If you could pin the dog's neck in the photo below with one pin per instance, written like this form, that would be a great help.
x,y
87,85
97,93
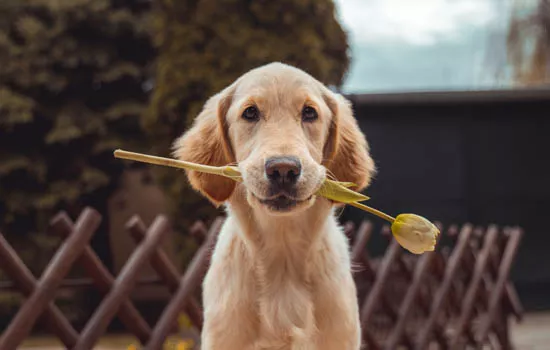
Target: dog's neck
x,y
283,242
282,252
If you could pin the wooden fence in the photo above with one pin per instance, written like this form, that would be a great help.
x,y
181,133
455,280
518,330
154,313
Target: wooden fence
x,y
453,297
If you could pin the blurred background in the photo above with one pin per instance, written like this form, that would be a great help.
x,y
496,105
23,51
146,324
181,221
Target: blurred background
x,y
452,96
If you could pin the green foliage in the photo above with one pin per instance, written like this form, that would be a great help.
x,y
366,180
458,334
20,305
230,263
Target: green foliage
x,y
75,81
71,90
205,45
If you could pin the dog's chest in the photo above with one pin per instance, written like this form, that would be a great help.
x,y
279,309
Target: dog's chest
x,y
285,302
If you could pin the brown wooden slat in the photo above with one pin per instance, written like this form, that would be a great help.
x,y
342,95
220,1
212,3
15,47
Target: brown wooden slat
x,y
348,229
410,297
484,295
123,284
80,283
473,288
169,274
479,303
373,297
199,231
103,280
496,335
360,242
360,258
359,246
445,287
52,277
511,299
25,282
189,282
499,288
514,301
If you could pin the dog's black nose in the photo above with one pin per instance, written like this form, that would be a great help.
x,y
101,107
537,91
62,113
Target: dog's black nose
x,y
283,171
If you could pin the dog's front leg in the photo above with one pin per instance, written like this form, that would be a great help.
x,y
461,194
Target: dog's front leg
x,y
228,325
337,316
230,317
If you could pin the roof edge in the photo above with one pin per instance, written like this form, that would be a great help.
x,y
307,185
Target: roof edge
x,y
471,96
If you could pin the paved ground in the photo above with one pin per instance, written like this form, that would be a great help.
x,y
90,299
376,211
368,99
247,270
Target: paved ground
x,y
532,334
114,342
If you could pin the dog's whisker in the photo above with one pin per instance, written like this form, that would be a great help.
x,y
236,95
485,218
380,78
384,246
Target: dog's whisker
x,y
340,212
330,175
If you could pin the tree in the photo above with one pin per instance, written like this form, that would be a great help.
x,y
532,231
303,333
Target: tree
x,y
205,45
75,84
72,79
528,44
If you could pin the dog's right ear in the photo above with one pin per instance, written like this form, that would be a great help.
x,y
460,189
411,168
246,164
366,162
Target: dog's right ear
x,y
207,142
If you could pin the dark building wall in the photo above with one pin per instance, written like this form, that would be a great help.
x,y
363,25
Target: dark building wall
x,y
463,161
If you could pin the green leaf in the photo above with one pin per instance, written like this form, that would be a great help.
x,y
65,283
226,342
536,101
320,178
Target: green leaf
x,y
47,200
340,192
64,130
124,109
93,179
118,71
62,190
107,144
11,163
15,108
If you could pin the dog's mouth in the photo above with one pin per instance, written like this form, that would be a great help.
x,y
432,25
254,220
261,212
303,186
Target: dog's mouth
x,y
283,203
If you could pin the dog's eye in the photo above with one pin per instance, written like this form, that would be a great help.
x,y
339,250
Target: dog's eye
x,y
251,114
309,114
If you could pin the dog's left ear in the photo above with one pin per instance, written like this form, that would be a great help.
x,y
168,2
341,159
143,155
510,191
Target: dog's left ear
x,y
346,151
207,142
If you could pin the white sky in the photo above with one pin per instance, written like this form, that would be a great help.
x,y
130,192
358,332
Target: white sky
x,y
425,44
420,22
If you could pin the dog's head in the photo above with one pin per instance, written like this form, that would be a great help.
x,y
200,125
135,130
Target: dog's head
x,y
285,130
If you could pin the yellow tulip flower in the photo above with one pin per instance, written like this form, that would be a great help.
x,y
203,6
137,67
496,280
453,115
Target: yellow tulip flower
x,y
415,233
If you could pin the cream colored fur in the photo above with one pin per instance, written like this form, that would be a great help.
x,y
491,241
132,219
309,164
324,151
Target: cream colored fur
x,y
278,281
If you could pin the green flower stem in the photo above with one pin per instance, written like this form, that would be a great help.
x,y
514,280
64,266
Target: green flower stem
x,y
332,189
180,164
373,211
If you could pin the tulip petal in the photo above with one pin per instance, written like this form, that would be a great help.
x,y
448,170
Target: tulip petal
x,y
415,233
339,192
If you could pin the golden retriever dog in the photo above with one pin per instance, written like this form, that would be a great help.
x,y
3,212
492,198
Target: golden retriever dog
x,y
280,276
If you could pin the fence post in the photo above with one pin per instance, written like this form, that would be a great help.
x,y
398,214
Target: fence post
x,y
358,257
123,284
24,280
188,283
373,298
58,267
500,285
103,280
445,287
169,274
412,293
473,288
